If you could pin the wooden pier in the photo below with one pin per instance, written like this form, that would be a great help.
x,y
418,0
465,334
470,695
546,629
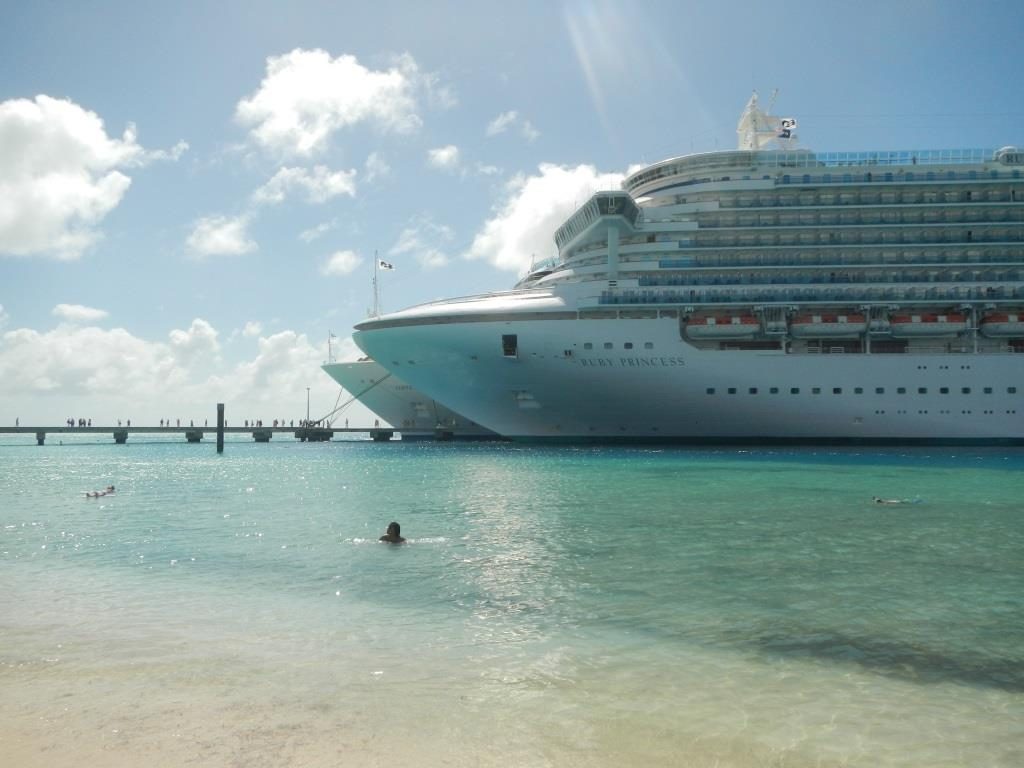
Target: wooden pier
x,y
259,434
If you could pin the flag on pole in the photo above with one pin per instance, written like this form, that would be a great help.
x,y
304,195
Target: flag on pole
x,y
385,265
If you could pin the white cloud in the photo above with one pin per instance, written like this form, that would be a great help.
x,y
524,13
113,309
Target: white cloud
x,y
424,239
3,316
44,376
376,166
76,313
524,224
487,170
510,119
252,328
320,184
197,343
445,158
501,123
341,263
220,236
306,96
313,233
58,176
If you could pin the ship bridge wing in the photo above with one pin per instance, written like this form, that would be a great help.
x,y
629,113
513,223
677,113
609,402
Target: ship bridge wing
x,y
593,219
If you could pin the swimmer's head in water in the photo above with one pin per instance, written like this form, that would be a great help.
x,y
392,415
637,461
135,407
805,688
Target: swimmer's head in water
x,y
394,529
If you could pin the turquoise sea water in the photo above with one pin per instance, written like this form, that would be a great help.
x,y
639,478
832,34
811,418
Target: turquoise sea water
x,y
553,607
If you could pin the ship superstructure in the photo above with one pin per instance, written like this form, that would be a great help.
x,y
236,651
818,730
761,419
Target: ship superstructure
x,y
752,295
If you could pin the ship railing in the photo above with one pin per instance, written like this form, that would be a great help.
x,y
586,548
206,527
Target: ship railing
x,y
924,281
702,261
753,160
829,296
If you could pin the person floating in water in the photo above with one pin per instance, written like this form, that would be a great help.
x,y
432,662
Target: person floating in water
x,y
394,534
879,500
96,494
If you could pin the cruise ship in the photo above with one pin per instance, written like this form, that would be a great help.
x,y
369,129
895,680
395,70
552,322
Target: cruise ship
x,y
401,406
764,294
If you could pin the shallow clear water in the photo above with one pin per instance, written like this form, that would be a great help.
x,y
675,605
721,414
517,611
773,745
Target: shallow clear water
x,y
553,606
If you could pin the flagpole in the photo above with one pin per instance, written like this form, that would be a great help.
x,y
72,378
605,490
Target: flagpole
x,y
376,297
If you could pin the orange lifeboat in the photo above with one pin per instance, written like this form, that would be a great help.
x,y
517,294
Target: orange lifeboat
x,y
723,327
1001,325
927,325
827,326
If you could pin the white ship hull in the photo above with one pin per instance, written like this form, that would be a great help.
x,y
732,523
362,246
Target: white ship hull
x,y
675,392
397,403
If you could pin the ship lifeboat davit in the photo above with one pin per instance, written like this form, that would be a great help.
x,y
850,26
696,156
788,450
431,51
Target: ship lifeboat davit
x,y
827,326
723,327
927,325
1002,325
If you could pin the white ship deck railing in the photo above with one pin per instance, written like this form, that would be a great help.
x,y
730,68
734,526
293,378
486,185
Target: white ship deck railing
x,y
825,295
839,260
746,159
789,278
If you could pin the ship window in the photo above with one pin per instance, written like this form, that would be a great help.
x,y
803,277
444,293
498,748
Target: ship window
x,y
879,390
648,345
608,345
753,390
1011,390
858,390
628,345
901,390
732,390
710,390
943,390
987,390
965,390
815,390
837,390
794,390
510,345
922,390
588,345
774,391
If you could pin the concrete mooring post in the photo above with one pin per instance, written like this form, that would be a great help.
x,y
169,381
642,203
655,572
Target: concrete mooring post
x,y
220,427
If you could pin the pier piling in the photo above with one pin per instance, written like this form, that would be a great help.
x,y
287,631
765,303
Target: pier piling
x,y
220,427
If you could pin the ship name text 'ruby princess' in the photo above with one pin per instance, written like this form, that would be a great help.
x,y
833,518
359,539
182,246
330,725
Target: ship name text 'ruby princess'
x,y
766,294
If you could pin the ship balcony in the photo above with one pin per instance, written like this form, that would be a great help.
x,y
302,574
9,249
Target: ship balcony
x,y
827,296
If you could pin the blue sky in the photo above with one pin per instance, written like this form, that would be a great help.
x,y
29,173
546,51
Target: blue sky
x,y
191,194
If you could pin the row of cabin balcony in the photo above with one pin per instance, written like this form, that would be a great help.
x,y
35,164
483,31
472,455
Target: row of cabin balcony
x,y
880,215
830,296
831,256
867,276
857,236
896,196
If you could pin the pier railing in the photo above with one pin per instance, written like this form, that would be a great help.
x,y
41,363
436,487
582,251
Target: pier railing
x,y
196,434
